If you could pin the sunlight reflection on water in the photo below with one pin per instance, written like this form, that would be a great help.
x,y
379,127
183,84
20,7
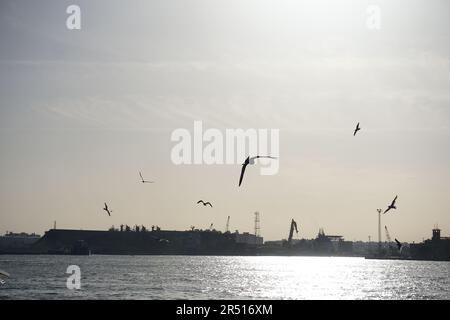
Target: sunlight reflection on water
x,y
215,277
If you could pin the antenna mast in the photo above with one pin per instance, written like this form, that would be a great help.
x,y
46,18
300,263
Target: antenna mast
x,y
257,227
379,231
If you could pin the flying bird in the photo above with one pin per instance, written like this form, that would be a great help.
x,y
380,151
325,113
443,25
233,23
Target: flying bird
x,y
399,244
356,129
204,203
142,179
250,161
392,205
107,210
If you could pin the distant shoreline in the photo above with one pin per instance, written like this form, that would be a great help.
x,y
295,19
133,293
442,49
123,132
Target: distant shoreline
x,y
222,255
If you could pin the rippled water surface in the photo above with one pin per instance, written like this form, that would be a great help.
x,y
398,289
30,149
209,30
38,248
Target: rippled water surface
x,y
213,277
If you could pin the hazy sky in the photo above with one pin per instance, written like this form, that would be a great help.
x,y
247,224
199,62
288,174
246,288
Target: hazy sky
x,y
82,111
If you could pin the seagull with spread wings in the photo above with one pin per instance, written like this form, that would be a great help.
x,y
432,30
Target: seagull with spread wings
x,y
392,205
107,209
399,244
204,203
142,179
356,129
250,161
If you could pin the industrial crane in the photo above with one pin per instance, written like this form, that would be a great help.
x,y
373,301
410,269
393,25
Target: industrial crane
x,y
291,232
389,240
388,237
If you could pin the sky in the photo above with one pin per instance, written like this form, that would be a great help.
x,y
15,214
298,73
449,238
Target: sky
x,y
83,111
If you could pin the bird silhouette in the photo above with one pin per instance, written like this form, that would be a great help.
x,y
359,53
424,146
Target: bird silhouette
x,y
204,203
250,161
142,179
399,244
356,129
391,206
107,210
